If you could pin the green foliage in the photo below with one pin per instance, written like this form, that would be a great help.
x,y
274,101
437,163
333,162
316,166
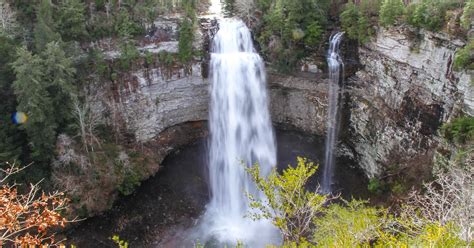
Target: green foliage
x,y
375,186
130,182
11,138
467,15
126,27
290,28
288,205
34,99
128,55
355,23
120,243
71,19
428,235
390,12
459,130
44,32
464,58
43,88
313,34
166,58
186,37
350,225
428,14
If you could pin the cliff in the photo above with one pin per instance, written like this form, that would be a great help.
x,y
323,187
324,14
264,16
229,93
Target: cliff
x,y
405,91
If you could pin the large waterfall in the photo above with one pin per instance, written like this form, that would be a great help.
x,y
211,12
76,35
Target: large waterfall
x,y
336,69
241,134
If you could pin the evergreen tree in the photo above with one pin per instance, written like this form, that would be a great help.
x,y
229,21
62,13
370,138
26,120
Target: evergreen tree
x,y
390,11
34,100
44,89
59,77
11,138
349,19
355,23
44,28
185,45
71,20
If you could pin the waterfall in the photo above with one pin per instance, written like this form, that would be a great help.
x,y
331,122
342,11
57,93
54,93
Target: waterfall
x,y
241,134
336,71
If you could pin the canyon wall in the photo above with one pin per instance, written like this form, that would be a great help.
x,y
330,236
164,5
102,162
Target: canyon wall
x,y
405,91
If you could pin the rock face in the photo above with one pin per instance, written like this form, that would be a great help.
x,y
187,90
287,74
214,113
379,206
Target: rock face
x,y
299,102
159,103
394,105
399,100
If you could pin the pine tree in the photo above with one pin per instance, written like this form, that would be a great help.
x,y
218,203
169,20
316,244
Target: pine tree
x,y
44,28
59,77
34,100
11,137
44,88
390,11
71,20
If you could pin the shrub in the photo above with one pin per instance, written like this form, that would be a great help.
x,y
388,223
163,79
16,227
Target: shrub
x,y
290,207
459,130
351,224
126,27
375,186
464,58
467,15
130,182
128,54
390,11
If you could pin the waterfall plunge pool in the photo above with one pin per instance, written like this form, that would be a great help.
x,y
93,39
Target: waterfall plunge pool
x,y
165,206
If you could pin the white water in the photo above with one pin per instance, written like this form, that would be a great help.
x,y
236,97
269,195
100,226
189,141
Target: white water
x,y
336,68
241,134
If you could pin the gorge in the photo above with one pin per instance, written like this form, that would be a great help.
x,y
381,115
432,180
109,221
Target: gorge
x,y
167,110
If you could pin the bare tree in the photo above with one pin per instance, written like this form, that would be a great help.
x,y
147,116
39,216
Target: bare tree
x,y
246,10
7,18
449,198
88,119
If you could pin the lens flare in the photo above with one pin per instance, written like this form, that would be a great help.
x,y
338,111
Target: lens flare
x,y
19,118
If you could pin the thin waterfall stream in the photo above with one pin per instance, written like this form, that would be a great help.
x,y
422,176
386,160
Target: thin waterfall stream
x,y
336,71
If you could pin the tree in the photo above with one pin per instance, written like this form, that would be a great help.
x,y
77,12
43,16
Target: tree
x,y
186,37
43,88
290,207
11,138
390,11
44,32
349,19
58,78
71,20
428,14
8,23
28,219
34,99
355,23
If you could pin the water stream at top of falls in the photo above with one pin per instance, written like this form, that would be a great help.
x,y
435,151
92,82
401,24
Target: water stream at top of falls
x,y
241,134
336,71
